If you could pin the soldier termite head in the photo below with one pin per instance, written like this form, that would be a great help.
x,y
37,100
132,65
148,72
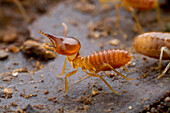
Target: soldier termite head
x,y
63,45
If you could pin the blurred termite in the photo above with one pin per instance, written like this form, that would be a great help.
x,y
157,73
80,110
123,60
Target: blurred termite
x,y
155,45
130,5
93,63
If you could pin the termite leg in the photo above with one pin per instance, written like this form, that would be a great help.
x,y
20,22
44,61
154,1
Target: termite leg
x,y
165,70
125,68
136,19
117,5
48,44
158,14
117,15
108,65
123,34
167,51
49,52
160,58
66,83
80,80
21,8
50,48
64,67
97,75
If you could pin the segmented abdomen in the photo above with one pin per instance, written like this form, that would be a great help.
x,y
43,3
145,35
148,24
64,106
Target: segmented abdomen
x,y
116,58
141,4
150,44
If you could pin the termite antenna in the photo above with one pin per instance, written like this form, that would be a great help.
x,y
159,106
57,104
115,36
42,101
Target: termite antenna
x,y
66,29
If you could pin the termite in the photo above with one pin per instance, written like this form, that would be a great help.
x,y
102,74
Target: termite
x,y
155,45
93,63
130,5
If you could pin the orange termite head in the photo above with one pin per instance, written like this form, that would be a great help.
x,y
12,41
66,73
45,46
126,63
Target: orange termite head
x,y
64,45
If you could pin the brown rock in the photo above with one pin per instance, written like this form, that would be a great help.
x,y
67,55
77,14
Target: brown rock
x,y
114,42
9,36
3,54
46,92
14,104
94,92
8,90
36,49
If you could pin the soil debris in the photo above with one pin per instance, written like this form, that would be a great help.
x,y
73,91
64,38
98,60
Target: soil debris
x,y
9,36
3,54
13,72
53,99
6,93
39,106
46,92
8,78
160,106
30,95
167,99
130,107
82,107
85,100
29,109
85,6
114,42
36,49
102,28
13,49
94,92
14,104
60,110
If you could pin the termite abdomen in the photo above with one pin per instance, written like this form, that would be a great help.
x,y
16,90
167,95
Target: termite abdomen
x,y
141,4
150,44
116,58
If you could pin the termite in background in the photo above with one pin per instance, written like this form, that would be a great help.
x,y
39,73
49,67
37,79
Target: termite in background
x,y
93,63
130,5
155,45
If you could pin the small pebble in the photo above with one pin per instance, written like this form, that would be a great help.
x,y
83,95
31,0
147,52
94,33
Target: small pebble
x,y
46,92
10,36
8,78
3,54
167,99
13,49
8,90
154,110
114,42
130,107
41,76
34,48
15,73
14,104
94,92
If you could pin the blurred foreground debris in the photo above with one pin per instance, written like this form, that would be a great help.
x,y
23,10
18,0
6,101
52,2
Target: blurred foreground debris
x,y
36,49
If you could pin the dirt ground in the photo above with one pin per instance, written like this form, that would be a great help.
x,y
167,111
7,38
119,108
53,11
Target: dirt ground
x,y
28,75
